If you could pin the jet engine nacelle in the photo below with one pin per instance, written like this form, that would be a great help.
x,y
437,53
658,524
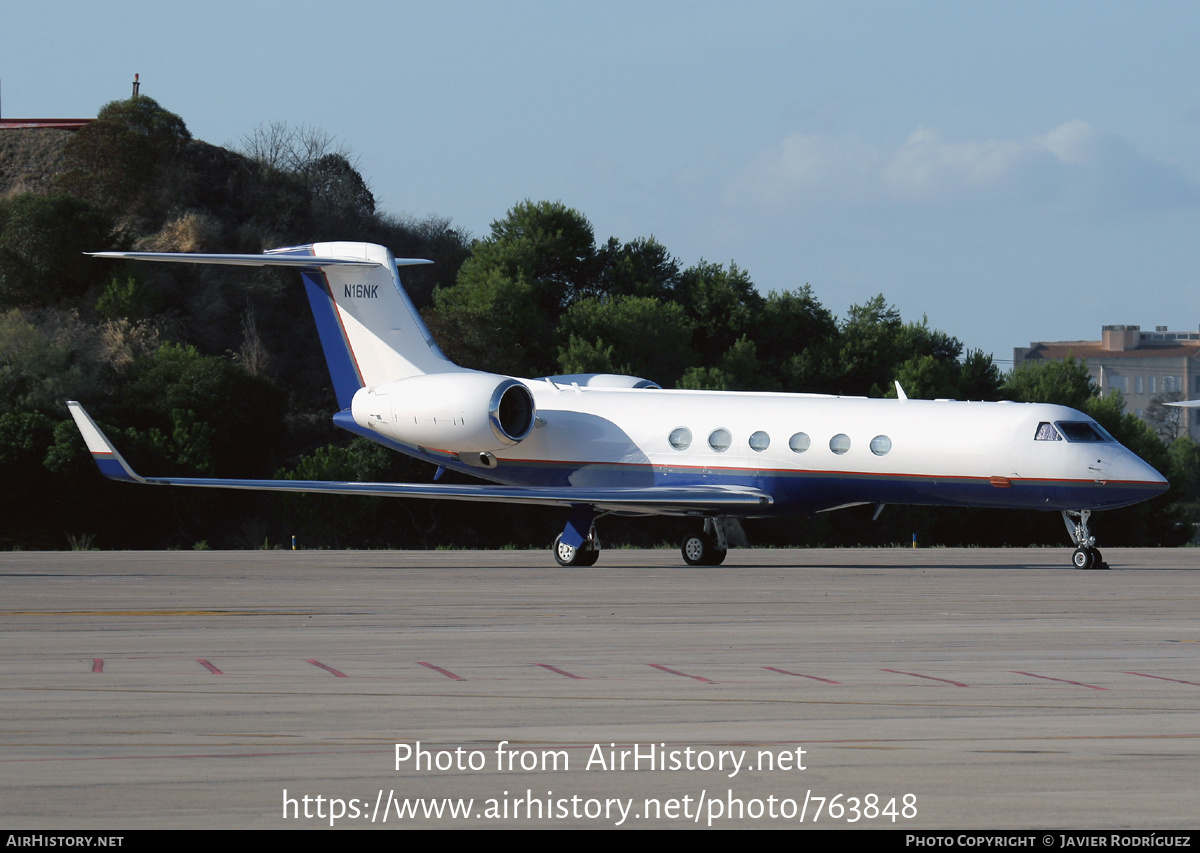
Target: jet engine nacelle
x,y
460,412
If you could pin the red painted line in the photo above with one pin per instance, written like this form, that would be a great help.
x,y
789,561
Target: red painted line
x,y
97,664
327,668
209,666
1052,678
800,675
677,672
930,677
444,672
559,671
1164,678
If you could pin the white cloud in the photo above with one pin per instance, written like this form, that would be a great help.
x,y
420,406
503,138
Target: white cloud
x,y
816,166
1073,164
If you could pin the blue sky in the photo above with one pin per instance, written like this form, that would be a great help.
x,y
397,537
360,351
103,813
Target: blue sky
x,y
1015,171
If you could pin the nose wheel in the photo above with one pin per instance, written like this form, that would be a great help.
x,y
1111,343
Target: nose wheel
x,y
1087,555
1088,558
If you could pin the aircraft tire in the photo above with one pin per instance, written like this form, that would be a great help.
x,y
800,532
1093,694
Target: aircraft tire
x,y
716,558
569,557
1083,558
699,550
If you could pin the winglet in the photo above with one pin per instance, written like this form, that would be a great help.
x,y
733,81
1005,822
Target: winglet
x,y
107,459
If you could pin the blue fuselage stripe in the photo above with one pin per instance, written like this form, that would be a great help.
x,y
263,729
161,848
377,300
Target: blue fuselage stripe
x,y
812,491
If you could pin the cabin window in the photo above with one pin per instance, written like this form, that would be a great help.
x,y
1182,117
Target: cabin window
x,y
1046,432
720,439
760,441
840,443
1080,431
799,442
681,438
880,445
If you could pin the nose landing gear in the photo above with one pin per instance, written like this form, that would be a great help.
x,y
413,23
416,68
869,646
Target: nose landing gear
x,y
1087,555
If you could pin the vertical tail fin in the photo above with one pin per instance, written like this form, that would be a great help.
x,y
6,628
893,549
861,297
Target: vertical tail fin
x,y
370,330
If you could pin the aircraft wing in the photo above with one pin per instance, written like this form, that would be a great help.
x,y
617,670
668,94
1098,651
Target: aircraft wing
x,y
683,500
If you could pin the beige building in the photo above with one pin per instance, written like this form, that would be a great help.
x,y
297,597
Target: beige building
x,y
1139,365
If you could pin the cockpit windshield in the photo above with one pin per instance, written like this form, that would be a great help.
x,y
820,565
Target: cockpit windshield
x,y
1071,431
1046,432
1083,431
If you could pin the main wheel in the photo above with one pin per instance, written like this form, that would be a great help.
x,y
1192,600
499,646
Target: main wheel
x,y
566,555
569,555
1083,558
700,550
695,548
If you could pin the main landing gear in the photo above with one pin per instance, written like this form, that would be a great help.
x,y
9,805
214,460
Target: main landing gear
x,y
710,547
707,548
578,544
585,555
1087,555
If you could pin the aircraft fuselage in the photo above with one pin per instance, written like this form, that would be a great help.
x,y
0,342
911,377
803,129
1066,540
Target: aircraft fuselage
x,y
812,452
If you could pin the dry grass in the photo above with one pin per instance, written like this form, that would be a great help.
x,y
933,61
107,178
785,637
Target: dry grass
x,y
192,232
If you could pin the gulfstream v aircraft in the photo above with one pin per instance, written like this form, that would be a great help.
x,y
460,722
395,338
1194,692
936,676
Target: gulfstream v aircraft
x,y
619,445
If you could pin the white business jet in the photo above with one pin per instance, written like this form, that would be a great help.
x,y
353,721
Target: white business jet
x,y
602,444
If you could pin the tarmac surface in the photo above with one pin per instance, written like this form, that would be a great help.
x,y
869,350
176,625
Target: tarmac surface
x,y
922,689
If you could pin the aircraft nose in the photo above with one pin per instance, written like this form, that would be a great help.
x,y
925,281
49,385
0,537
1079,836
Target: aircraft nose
x,y
1132,469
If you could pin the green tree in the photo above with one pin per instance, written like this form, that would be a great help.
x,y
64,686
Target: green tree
x,y
723,305
1065,382
979,378
796,338
740,369
641,267
40,364
123,160
626,334
42,245
341,198
517,283
219,419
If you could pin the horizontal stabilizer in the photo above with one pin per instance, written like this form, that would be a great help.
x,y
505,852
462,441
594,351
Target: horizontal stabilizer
x,y
273,258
